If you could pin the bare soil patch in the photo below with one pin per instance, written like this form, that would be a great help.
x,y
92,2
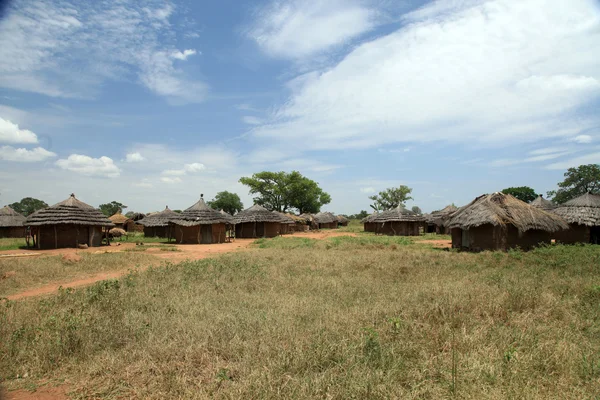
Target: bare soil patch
x,y
42,393
443,244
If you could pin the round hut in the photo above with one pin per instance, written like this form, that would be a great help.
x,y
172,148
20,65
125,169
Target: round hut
x,y
368,224
287,223
583,216
120,221
310,221
229,227
157,224
399,222
541,203
500,221
200,224
256,222
11,223
439,218
342,221
326,220
69,223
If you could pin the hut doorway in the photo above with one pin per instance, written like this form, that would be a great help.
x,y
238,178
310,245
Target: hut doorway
x,y
595,235
260,229
205,234
465,242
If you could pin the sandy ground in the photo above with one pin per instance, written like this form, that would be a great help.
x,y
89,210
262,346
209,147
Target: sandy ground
x,y
43,393
186,252
442,244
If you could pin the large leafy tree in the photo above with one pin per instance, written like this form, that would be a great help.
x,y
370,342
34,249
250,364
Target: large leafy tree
x,y
391,198
523,193
112,208
362,214
28,206
578,181
416,210
282,191
227,201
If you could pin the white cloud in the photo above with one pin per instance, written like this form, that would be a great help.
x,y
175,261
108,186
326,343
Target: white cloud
x,y
367,190
178,55
9,153
11,133
492,72
592,158
582,139
144,183
85,165
170,180
250,120
546,150
298,28
187,168
134,157
66,49
550,156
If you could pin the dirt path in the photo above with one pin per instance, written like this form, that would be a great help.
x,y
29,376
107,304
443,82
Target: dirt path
x,y
42,393
442,244
186,252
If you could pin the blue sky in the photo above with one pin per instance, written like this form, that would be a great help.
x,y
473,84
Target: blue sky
x,y
152,103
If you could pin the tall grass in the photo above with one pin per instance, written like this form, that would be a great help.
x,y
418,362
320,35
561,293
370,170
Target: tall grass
x,y
309,322
12,243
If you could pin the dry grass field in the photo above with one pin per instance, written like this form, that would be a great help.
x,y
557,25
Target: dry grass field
x,y
364,317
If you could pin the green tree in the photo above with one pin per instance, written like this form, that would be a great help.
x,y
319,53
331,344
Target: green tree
x,y
578,181
227,201
282,191
523,193
416,210
112,208
362,214
28,206
391,198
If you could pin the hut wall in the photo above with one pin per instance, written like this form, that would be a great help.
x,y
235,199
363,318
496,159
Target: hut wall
x,y
285,229
158,231
12,232
257,229
431,228
219,232
575,234
68,235
187,234
200,234
456,235
400,228
489,237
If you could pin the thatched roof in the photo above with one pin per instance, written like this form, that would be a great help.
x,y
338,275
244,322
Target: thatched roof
x,y
118,218
158,219
70,211
398,214
297,218
10,218
256,213
201,214
583,210
501,209
541,202
440,216
369,218
341,219
285,219
309,218
325,218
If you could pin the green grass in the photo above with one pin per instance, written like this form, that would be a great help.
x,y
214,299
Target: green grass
x,y
349,321
12,244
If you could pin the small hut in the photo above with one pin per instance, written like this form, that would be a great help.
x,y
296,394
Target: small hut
x,y
229,227
583,216
399,222
120,221
500,221
301,224
69,223
157,224
200,224
311,223
287,223
256,222
11,223
543,204
368,224
342,221
326,220
439,218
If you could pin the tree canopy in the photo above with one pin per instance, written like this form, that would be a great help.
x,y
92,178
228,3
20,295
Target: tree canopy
x,y
391,198
28,206
362,214
112,208
578,181
416,210
523,193
282,191
227,201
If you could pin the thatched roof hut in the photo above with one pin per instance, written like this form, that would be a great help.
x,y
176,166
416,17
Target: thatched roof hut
x,y
11,223
257,221
325,220
342,221
438,218
287,223
201,224
68,224
368,224
500,221
542,203
583,215
157,224
399,222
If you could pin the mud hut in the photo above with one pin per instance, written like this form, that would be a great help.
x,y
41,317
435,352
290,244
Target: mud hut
x,y
541,203
439,218
500,221
583,216
157,224
120,221
287,223
368,224
311,223
326,220
11,223
200,224
229,227
399,222
342,221
256,222
69,223
301,224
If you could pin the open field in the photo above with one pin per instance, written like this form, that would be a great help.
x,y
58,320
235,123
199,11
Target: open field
x,y
363,317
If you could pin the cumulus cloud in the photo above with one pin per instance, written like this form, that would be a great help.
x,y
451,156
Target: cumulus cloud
x,y
299,28
11,133
9,153
134,157
67,49
466,71
85,165
187,168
